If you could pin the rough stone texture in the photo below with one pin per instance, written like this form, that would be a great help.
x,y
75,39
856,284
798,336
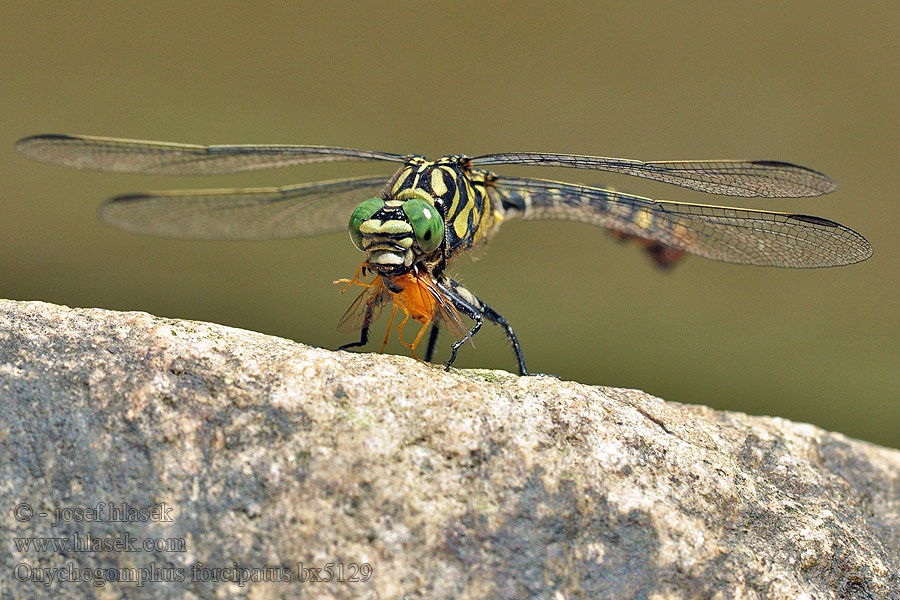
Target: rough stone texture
x,y
463,484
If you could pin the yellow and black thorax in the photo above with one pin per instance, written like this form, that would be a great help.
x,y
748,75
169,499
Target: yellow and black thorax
x,y
458,192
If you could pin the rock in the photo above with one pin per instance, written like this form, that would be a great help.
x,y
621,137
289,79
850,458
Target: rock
x,y
397,479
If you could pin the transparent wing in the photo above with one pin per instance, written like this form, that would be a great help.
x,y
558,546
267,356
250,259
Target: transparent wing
x,y
365,310
164,158
243,214
734,235
446,312
750,178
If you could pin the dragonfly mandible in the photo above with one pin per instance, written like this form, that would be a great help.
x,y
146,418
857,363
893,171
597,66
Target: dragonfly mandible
x,y
412,224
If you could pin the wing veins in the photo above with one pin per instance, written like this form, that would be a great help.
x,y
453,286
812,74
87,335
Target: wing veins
x,y
747,178
730,234
242,213
168,158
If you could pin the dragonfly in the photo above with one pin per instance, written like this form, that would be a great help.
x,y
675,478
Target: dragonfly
x,y
412,224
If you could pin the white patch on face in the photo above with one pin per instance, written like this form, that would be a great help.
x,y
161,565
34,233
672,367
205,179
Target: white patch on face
x,y
379,243
385,257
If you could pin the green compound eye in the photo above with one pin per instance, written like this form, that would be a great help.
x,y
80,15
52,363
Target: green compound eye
x,y
426,222
362,213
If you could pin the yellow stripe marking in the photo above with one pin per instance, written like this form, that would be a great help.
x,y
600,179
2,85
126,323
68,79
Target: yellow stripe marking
x,y
454,204
461,222
400,180
643,218
437,182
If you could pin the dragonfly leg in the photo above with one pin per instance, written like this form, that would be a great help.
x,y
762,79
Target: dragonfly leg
x,y
492,315
363,340
432,341
478,317
364,332
470,305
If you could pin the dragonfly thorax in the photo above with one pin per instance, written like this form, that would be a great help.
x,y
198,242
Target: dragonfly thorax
x,y
398,232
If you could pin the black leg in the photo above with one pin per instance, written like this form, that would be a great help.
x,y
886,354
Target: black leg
x,y
364,333
467,303
492,315
432,341
363,340
479,321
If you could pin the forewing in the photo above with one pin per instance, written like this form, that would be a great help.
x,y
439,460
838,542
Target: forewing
x,y
165,158
245,214
763,178
732,235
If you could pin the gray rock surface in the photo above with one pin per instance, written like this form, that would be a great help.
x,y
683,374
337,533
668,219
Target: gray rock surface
x,y
260,453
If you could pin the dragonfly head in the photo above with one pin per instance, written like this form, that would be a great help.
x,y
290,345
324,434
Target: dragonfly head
x,y
397,232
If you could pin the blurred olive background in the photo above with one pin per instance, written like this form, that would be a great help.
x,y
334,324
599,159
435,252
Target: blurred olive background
x,y
811,83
